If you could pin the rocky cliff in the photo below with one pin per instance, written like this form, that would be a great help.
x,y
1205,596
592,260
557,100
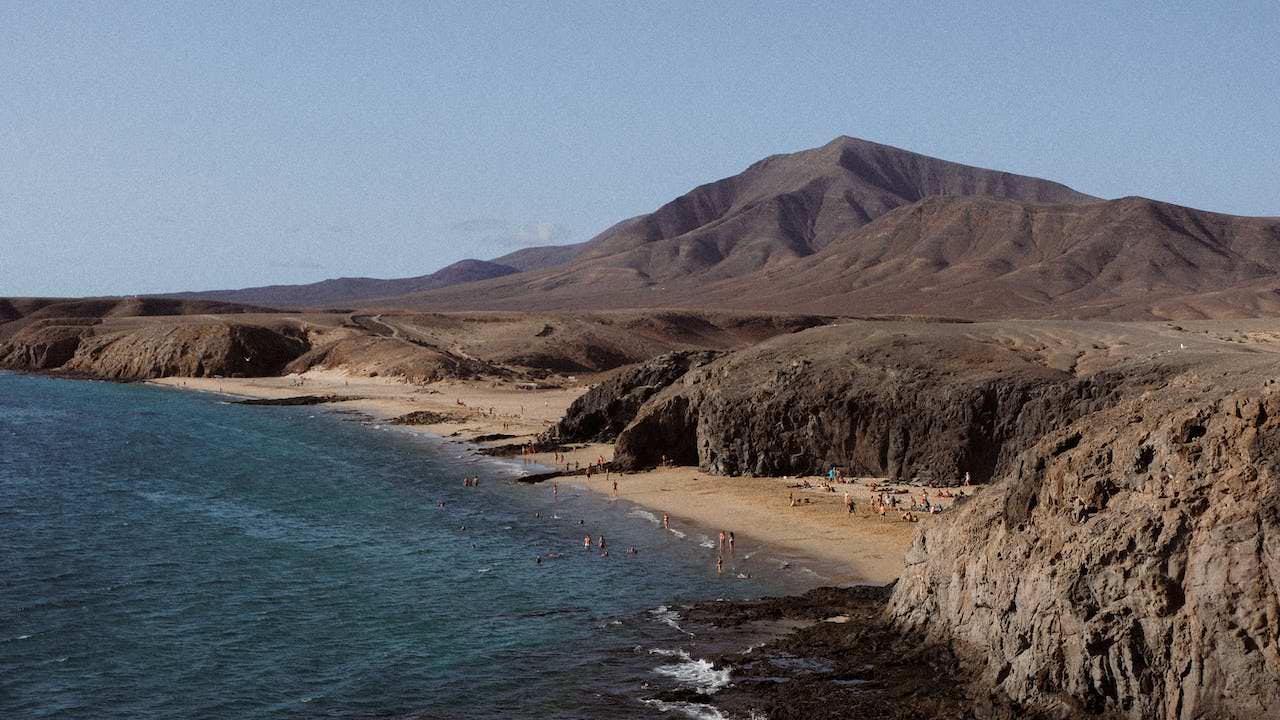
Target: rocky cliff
x,y
905,400
1128,564
191,348
602,412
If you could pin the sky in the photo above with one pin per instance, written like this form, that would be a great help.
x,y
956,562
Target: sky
x,y
160,147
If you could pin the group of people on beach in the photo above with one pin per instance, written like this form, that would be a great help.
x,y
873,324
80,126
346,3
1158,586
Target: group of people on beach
x,y
884,498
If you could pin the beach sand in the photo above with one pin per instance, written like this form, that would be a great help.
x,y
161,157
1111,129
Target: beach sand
x,y
858,548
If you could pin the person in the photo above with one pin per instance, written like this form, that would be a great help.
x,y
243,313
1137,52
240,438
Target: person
x,y
722,538
538,560
586,542
604,554
632,550
966,478
615,488
555,489
719,564
731,542
666,521
602,543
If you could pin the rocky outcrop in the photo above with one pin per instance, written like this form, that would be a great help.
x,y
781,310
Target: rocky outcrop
x,y
386,356
923,404
1128,564
151,350
608,407
44,344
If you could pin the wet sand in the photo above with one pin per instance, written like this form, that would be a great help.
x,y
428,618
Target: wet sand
x,y
858,548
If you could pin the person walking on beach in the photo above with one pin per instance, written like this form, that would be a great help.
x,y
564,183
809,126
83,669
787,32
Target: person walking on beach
x,y
555,489
615,488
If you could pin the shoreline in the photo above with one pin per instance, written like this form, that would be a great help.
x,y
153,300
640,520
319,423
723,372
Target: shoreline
x,y
857,549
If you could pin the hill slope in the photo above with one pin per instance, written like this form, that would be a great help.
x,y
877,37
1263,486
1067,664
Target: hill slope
x,y
342,291
1131,258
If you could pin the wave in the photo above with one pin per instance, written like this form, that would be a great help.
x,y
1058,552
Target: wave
x,y
696,673
644,515
669,617
696,711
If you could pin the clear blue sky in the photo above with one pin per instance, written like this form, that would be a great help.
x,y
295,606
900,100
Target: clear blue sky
x,y
148,148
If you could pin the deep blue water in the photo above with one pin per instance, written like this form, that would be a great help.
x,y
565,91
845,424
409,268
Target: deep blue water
x,y
166,554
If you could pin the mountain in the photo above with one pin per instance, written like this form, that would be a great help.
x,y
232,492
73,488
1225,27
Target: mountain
x,y
342,291
858,228
779,209
977,257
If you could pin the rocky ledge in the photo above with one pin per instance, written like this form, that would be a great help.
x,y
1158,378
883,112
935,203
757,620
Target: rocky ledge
x,y
151,350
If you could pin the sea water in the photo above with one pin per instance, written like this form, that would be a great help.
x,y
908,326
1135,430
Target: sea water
x,y
169,554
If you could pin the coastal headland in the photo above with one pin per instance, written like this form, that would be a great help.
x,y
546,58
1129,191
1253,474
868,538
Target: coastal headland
x,y
1087,386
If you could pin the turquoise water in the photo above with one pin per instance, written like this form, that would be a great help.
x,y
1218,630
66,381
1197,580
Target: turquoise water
x,y
167,554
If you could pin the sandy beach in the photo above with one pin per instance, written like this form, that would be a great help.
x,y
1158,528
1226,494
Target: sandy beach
x,y
861,547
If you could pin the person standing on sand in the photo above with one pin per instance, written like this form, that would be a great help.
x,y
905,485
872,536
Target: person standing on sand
x,y
615,488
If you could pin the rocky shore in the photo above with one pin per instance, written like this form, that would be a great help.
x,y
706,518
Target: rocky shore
x,y
1121,561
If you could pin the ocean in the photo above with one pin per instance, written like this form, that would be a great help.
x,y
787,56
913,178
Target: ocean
x,y
167,554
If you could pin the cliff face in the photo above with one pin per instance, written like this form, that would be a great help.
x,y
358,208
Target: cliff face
x,y
190,349
898,404
603,411
1127,564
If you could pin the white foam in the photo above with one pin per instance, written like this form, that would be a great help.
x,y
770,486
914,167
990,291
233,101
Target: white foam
x,y
645,515
706,542
696,711
677,533
698,673
669,617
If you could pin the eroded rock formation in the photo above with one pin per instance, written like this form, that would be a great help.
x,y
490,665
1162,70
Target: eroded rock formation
x,y
604,410
906,402
151,350
1127,564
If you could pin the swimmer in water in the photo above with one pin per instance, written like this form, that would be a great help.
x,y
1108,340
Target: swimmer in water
x,y
731,541
632,550
719,564
586,542
602,542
